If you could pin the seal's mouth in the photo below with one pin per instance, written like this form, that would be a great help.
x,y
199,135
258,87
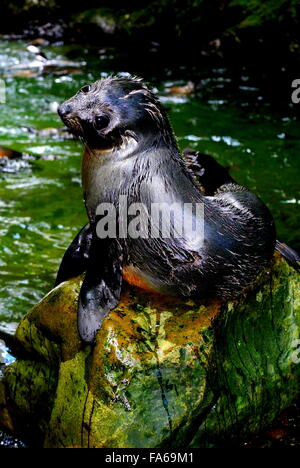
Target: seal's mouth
x,y
74,125
92,129
87,131
98,130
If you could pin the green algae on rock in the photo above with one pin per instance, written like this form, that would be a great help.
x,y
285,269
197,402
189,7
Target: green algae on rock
x,y
163,373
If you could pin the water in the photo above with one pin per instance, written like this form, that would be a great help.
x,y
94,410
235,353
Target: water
x,y
6,358
41,206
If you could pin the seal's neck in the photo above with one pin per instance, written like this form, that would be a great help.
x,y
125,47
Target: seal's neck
x,y
108,173
132,146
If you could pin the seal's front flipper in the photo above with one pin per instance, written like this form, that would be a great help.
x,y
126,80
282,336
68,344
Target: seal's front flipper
x,y
75,260
101,288
206,172
291,256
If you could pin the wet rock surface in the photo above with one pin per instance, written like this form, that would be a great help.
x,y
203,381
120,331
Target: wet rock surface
x,y
162,373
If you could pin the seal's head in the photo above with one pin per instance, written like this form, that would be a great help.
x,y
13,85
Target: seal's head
x,y
108,112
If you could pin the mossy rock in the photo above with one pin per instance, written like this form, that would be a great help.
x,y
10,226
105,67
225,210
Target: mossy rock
x,y
103,18
163,373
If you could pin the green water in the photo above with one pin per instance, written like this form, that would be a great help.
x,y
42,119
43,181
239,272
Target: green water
x,y
41,206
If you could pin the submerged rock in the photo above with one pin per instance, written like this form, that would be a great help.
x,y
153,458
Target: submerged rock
x,y
163,373
185,90
12,161
103,18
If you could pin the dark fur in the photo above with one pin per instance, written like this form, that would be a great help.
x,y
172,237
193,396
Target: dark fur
x,y
239,230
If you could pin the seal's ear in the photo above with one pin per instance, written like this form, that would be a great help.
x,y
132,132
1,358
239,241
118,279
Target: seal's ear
x,y
101,288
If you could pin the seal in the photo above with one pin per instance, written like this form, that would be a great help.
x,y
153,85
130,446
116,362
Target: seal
x,y
131,151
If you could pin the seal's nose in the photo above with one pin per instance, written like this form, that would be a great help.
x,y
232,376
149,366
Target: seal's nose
x,y
64,110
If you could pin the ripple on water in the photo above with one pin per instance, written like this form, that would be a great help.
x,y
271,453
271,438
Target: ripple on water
x,y
33,182
173,99
6,358
41,207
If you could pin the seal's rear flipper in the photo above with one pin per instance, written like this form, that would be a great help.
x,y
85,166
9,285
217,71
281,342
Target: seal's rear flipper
x,y
75,260
291,256
101,288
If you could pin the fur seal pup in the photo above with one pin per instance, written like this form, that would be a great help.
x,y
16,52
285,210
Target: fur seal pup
x,y
131,151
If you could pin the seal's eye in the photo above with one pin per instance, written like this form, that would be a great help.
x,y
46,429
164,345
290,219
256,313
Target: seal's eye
x,y
86,89
101,121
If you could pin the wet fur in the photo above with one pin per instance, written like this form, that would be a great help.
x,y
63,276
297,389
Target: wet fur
x,y
137,155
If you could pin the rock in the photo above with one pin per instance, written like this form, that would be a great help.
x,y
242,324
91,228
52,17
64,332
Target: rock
x,y
186,90
9,153
103,18
43,66
12,161
163,373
